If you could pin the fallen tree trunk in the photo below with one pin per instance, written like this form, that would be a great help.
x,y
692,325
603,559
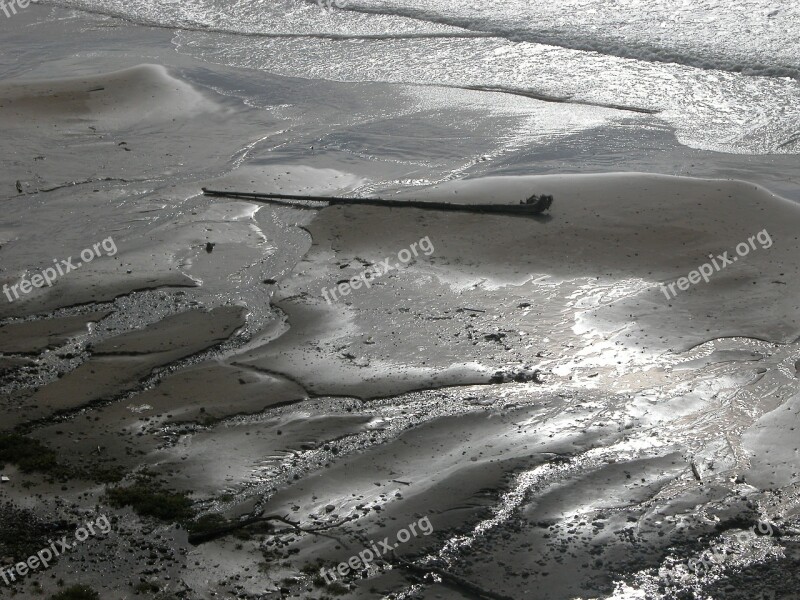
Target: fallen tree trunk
x,y
533,206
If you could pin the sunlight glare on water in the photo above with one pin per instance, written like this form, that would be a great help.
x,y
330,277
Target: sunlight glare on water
x,y
692,64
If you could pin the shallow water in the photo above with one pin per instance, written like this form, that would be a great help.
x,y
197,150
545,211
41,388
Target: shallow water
x,y
723,74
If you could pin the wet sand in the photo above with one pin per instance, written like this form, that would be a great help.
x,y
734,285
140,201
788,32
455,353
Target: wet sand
x,y
203,359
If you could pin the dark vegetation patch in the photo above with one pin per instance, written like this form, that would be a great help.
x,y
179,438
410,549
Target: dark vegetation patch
x,y
207,523
31,456
148,498
23,534
76,592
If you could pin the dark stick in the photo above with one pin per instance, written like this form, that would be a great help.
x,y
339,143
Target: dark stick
x,y
200,537
450,580
534,205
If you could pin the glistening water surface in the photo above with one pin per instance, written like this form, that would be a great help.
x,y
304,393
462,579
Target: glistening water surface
x,y
724,74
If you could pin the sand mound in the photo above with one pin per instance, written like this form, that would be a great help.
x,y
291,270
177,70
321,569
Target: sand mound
x,y
113,100
594,268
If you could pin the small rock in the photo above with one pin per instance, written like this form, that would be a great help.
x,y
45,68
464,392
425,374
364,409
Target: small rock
x,y
330,508
494,337
4,479
210,246
499,377
526,376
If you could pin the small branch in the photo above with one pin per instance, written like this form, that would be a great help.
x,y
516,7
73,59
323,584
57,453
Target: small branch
x,y
208,535
70,184
696,471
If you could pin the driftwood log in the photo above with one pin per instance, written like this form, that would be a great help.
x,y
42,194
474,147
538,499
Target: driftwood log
x,y
533,206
